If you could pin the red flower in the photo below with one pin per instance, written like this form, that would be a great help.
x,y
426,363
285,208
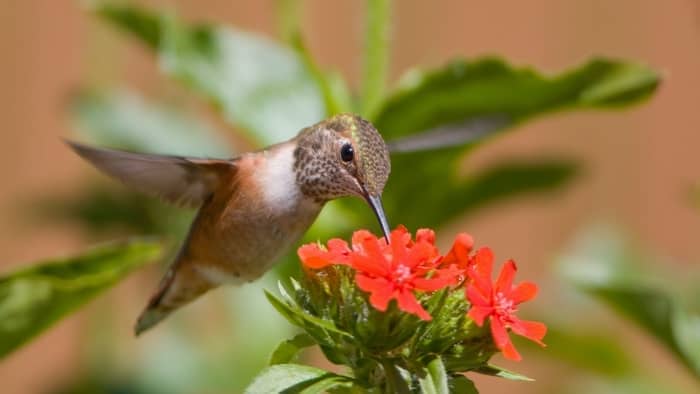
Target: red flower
x,y
387,271
500,301
459,254
457,260
316,256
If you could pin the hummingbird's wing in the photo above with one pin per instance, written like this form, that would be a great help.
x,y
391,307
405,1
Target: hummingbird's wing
x,y
449,135
180,180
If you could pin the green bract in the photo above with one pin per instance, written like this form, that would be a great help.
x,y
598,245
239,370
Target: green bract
x,y
384,351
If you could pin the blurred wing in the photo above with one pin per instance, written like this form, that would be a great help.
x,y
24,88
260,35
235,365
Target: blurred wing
x,y
449,135
178,180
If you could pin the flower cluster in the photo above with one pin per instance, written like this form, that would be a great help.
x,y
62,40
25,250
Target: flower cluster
x,y
402,268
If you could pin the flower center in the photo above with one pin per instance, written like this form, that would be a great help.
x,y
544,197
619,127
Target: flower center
x,y
403,272
503,305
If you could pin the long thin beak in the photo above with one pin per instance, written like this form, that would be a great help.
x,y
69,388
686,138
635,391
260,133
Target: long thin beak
x,y
376,203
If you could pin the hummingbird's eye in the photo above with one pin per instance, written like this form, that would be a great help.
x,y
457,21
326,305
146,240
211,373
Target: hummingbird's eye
x,y
347,153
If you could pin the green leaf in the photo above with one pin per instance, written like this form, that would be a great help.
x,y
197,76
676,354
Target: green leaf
x,y
103,210
288,15
294,378
604,266
302,319
336,94
435,380
124,119
451,109
263,88
589,349
287,350
325,384
658,313
376,60
462,385
442,197
466,91
502,373
32,299
333,88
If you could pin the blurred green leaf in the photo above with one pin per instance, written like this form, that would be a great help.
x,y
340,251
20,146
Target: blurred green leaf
x,y
376,56
329,383
463,103
259,86
441,197
107,210
462,385
33,299
294,378
494,370
336,94
288,15
435,379
332,86
694,196
298,317
126,120
601,353
604,266
659,314
287,350
465,91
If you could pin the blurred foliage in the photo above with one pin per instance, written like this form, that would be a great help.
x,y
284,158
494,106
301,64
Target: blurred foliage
x,y
32,299
486,92
694,196
608,268
124,119
105,210
260,86
594,351
268,91
376,59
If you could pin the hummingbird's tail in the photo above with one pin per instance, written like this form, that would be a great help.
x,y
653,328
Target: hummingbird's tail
x,y
177,288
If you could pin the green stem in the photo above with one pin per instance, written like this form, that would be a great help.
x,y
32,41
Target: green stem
x,y
395,383
376,62
288,14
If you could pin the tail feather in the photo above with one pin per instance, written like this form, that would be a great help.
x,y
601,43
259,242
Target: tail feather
x,y
175,290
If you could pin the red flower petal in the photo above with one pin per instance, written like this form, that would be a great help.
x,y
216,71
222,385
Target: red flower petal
x,y
504,283
502,340
420,253
425,235
460,250
359,238
479,313
398,247
531,330
477,298
381,291
499,333
525,291
402,235
408,303
312,256
510,352
339,250
480,271
366,264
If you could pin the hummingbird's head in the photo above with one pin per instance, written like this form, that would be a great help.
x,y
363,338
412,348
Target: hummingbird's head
x,y
343,156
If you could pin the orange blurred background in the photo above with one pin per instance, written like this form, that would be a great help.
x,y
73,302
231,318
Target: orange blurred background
x,y
639,164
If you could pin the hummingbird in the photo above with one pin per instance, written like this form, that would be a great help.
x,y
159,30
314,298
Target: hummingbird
x,y
253,207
